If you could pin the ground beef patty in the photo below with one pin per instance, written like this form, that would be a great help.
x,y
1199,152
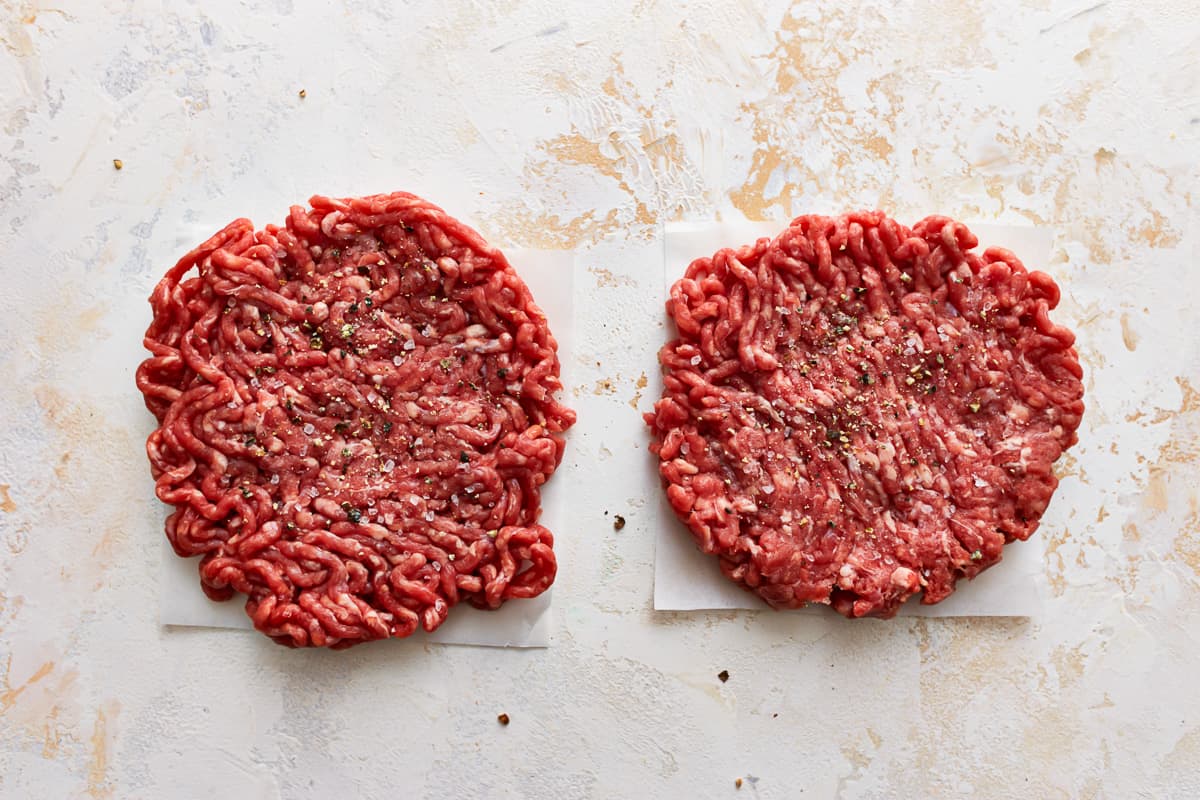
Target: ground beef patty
x,y
855,412
356,417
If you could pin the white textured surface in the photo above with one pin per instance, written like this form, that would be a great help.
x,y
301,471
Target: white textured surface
x,y
585,126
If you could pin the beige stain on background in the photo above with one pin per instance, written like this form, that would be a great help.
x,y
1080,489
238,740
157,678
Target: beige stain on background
x,y
574,149
621,140
1128,335
54,337
605,279
550,231
42,707
9,697
1157,231
99,785
784,127
962,660
52,718
74,423
16,36
1174,479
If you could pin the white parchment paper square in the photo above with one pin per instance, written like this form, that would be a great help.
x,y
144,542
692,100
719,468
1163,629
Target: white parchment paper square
x,y
687,580
518,623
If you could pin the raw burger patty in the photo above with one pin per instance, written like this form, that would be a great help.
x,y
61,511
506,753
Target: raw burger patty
x,y
855,412
356,417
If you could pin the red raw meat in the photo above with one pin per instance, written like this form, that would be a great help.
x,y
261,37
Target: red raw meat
x,y
356,416
855,412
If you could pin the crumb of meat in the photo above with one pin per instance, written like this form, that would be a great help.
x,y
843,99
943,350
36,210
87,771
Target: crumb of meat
x,y
723,675
618,522
856,412
503,719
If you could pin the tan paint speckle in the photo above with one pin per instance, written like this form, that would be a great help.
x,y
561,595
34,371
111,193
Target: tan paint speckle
x,y
1128,334
9,696
1156,497
549,231
1069,663
98,783
1156,231
1056,566
574,148
1187,543
605,279
52,737
1191,395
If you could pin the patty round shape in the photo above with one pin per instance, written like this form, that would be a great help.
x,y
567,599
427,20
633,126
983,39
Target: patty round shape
x,y
356,417
855,412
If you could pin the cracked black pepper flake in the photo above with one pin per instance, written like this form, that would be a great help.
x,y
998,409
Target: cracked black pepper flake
x,y
723,675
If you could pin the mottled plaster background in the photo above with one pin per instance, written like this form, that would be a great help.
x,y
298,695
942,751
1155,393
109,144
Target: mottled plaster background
x,y
585,126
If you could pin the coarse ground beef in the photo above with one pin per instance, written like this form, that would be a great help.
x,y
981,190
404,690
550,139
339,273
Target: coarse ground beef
x,y
855,412
356,416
